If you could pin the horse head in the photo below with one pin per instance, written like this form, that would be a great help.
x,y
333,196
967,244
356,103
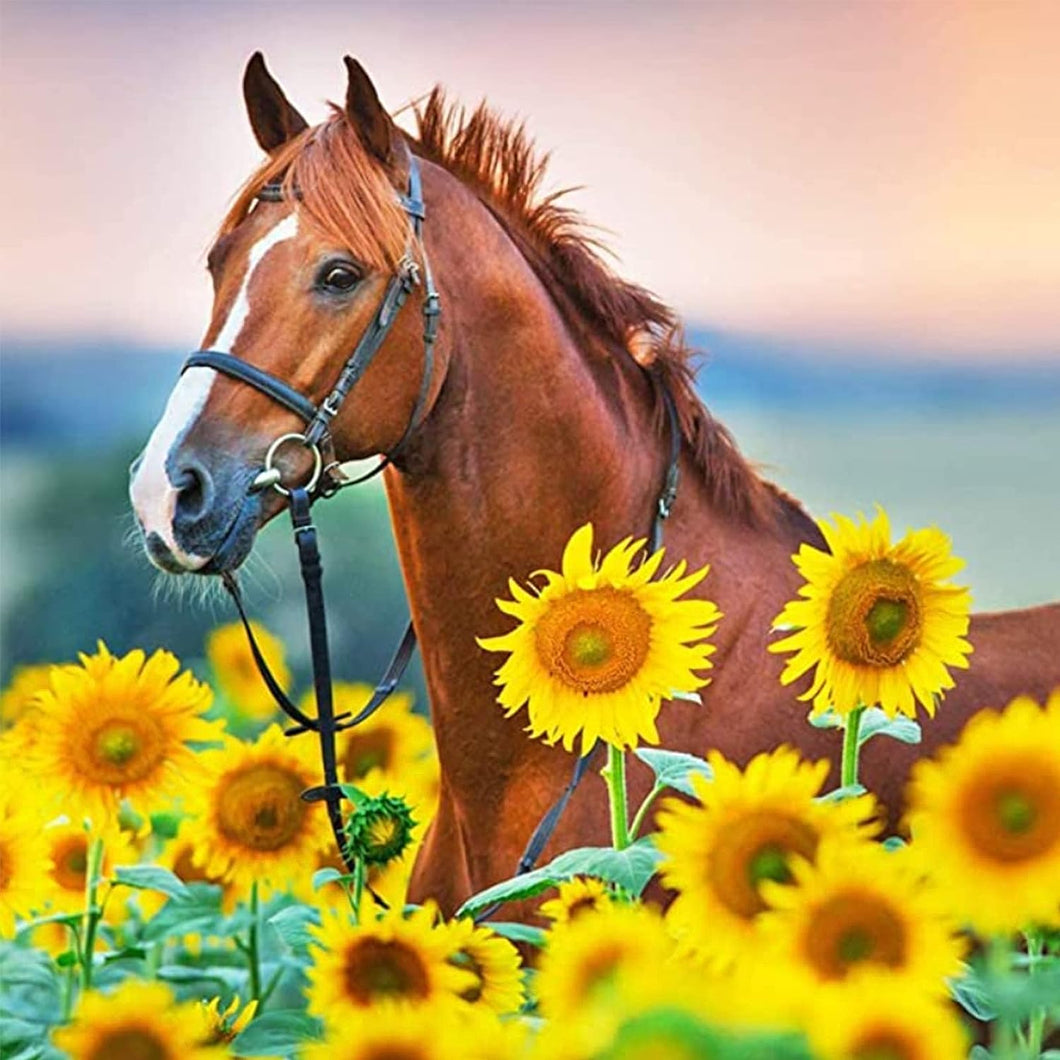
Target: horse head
x,y
308,259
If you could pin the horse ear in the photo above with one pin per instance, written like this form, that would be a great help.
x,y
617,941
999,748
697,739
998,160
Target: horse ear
x,y
272,117
366,112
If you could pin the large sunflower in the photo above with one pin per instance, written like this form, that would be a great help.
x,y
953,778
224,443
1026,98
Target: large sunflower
x,y
237,673
880,622
873,1017
141,1020
861,908
393,959
67,847
747,828
494,962
248,821
600,645
112,729
25,867
985,817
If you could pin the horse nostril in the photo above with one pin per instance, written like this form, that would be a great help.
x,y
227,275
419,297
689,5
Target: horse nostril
x,y
194,493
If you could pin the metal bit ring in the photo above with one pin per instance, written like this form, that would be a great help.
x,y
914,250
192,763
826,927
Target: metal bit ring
x,y
270,474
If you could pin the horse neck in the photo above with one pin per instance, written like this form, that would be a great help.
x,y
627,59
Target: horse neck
x,y
535,432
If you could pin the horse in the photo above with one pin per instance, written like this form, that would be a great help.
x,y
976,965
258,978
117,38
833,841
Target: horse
x,y
544,410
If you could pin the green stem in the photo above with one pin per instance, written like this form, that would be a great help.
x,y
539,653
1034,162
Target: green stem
x,y
638,819
1036,1028
614,774
68,993
90,919
999,966
253,957
850,747
360,875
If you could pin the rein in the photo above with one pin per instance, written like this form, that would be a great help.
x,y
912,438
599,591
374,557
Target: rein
x,y
327,478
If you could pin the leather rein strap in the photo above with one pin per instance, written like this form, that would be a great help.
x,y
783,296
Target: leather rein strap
x,y
317,436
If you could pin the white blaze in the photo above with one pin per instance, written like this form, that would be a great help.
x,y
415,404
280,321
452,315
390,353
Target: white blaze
x,y
153,497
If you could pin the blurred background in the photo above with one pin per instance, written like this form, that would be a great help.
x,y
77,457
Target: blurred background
x,y
854,206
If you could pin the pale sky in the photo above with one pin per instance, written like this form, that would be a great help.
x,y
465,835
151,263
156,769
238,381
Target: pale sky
x,y
859,172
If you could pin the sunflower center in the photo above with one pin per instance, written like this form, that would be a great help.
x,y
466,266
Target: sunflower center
x,y
463,959
122,750
378,969
368,751
885,1045
874,614
71,863
754,847
1014,815
5,867
598,971
594,640
261,807
130,1043
851,929
585,904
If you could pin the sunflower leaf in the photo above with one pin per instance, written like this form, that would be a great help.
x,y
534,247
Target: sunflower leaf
x,y
848,791
292,925
674,769
972,995
630,869
282,1031
534,936
874,722
152,878
328,874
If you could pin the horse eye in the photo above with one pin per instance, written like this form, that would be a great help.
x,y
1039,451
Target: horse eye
x,y
339,278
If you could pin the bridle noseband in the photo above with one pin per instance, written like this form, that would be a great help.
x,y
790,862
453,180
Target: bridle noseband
x,y
327,477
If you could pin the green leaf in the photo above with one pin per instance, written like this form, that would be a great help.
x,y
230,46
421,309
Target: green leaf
x,y
874,722
848,791
971,994
282,1031
232,979
893,843
70,919
827,719
630,869
152,878
199,913
322,877
130,953
674,769
292,925
66,959
165,825
534,936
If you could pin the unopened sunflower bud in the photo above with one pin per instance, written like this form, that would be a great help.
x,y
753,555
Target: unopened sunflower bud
x,y
379,829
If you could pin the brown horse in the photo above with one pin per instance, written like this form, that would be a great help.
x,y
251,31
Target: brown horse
x,y
543,413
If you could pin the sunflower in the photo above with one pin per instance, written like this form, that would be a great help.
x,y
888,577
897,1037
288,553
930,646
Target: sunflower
x,y
985,817
401,1032
392,744
746,829
393,959
25,867
600,646
220,1028
248,821
494,962
112,729
581,895
67,849
861,908
236,672
379,829
880,622
141,1020
21,695
872,1017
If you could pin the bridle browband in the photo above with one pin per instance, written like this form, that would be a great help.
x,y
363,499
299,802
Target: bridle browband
x,y
327,477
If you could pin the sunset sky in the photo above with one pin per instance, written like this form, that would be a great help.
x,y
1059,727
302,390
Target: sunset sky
x,y
840,174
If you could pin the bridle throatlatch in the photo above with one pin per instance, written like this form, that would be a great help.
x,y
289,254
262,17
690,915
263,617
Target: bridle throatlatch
x,y
327,477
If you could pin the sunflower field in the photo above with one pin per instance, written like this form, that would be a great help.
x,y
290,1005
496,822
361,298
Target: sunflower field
x,y
167,894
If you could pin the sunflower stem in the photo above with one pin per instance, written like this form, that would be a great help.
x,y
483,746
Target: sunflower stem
x,y
850,747
1036,1026
645,806
90,919
253,957
999,966
359,876
614,774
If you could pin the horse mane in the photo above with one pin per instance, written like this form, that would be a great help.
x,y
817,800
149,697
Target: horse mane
x,y
498,161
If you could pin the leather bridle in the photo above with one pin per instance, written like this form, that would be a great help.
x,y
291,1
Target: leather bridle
x,y
327,477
